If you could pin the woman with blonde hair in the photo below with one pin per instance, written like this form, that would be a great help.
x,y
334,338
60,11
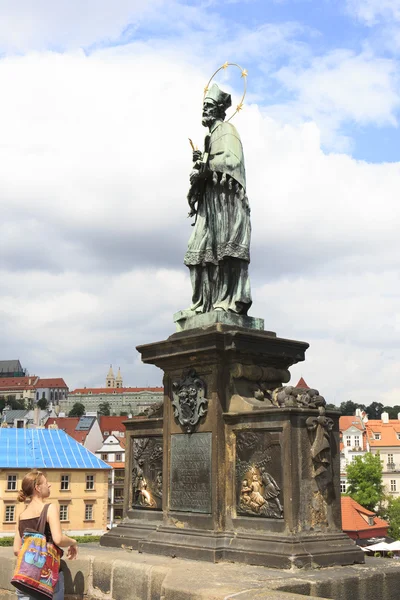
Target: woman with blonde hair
x,y
36,489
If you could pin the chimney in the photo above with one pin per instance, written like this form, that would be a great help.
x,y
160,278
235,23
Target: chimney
x,y
358,412
385,417
36,416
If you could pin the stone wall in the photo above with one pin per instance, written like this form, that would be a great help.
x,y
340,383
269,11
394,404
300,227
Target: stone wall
x,y
120,574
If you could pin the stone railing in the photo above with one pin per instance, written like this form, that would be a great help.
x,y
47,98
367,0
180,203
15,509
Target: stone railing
x,y
120,574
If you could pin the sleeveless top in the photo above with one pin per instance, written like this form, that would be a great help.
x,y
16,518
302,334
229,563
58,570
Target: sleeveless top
x,y
33,523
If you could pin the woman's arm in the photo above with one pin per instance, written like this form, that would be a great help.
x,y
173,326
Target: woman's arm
x,y
58,536
17,540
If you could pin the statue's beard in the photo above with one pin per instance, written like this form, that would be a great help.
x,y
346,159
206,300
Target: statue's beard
x,y
208,120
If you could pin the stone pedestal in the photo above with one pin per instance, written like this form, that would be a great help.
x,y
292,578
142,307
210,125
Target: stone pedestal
x,y
248,476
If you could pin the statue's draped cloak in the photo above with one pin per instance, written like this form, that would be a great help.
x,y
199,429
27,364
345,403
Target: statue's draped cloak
x,y
218,251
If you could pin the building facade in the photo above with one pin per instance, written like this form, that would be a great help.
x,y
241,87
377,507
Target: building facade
x,y
113,452
131,401
79,480
353,443
383,436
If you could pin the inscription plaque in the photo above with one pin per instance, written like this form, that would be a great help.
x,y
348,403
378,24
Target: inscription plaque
x,y
190,483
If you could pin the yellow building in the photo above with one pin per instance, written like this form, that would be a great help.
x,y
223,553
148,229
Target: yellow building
x,y
79,479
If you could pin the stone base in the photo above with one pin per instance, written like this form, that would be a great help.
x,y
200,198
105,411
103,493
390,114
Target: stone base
x,y
187,319
281,552
131,531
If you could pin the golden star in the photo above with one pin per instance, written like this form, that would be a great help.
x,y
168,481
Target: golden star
x,y
225,65
239,106
244,73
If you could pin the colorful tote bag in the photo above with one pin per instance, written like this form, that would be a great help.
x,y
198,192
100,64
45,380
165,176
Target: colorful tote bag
x,y
38,562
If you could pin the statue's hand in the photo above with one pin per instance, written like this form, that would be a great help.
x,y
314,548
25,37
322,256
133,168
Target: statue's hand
x,y
197,155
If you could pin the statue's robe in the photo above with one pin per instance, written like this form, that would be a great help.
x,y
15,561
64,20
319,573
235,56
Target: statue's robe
x,y
218,251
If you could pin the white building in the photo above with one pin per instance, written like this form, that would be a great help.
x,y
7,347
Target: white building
x,y
112,452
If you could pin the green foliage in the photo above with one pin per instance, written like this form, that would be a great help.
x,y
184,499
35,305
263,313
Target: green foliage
x,y
349,407
374,410
392,514
13,403
86,539
2,403
42,403
393,411
104,409
81,539
331,407
6,541
78,410
364,478
123,414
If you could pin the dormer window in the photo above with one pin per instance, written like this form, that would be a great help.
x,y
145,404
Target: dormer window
x,y
371,521
377,436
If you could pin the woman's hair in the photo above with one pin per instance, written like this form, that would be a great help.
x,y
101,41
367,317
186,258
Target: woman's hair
x,y
29,482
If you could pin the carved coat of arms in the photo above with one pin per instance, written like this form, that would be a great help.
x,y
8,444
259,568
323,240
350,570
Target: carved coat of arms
x,y
189,401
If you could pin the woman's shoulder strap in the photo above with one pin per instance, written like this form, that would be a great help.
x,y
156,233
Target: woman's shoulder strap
x,y
43,519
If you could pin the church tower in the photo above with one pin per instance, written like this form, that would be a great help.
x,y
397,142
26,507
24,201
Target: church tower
x,y
118,380
110,379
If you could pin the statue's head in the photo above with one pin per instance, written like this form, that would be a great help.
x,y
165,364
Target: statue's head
x,y
216,102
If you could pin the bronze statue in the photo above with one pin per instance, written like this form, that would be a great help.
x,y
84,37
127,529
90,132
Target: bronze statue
x,y
218,252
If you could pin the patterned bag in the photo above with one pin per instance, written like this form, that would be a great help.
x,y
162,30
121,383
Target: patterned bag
x,y
38,562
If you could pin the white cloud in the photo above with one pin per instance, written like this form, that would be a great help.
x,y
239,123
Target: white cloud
x,y
63,24
95,161
341,87
374,11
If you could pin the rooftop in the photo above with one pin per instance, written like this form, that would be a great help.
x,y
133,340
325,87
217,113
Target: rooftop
x,y
389,433
356,518
44,449
346,422
23,383
76,427
54,382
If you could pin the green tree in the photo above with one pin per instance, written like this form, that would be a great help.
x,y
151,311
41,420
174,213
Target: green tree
x,y
374,410
392,514
13,403
104,409
364,478
2,403
393,411
78,410
331,406
42,403
349,407
123,414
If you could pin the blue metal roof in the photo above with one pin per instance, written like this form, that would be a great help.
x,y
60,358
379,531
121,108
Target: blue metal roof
x,y
44,449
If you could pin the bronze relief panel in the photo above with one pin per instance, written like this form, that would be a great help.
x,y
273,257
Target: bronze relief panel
x,y
147,473
259,474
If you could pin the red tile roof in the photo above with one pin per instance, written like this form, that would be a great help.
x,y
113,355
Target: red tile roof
x,y
302,384
348,421
68,424
18,383
116,465
352,519
107,390
55,382
388,432
111,424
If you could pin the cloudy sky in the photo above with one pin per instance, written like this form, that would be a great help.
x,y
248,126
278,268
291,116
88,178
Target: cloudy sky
x,y
97,102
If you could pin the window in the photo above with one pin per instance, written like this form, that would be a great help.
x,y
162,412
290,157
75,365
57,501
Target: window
x,y
371,521
104,457
348,440
106,432
11,482
90,482
343,486
357,441
118,458
377,436
88,512
9,516
63,512
390,458
65,482
392,485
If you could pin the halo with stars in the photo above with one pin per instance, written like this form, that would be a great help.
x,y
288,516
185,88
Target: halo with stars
x,y
244,77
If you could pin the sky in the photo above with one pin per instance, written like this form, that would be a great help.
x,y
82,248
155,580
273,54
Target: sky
x,y
98,100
